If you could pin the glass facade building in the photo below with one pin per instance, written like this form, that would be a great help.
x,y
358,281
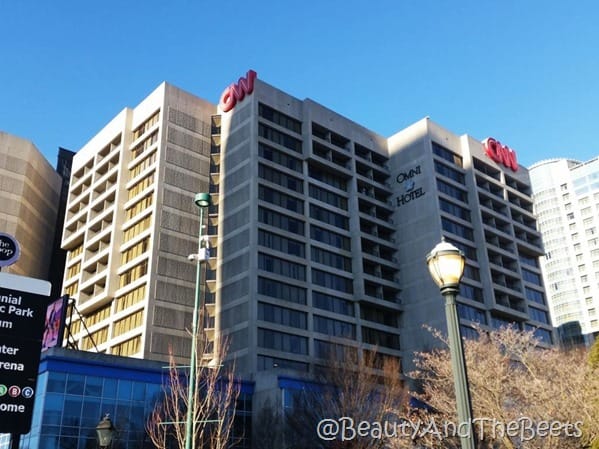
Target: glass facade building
x,y
75,389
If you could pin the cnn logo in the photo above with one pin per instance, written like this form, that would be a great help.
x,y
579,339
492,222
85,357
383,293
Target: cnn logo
x,y
237,92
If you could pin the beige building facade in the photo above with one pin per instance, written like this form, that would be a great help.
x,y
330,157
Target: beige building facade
x,y
29,200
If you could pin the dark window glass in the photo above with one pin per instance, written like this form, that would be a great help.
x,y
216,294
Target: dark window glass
x,y
280,178
454,209
446,154
452,191
531,277
329,237
332,281
280,243
281,267
333,327
280,221
279,137
281,199
327,177
457,229
380,338
279,118
449,172
332,303
538,315
472,314
329,217
281,341
327,196
282,315
534,295
280,290
331,259
280,158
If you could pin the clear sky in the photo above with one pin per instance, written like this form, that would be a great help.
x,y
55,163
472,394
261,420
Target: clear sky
x,y
523,71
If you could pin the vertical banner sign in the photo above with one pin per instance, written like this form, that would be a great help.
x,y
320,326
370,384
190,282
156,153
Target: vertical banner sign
x,y
23,304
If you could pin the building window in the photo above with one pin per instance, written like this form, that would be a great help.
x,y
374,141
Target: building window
x,y
470,292
327,177
446,154
472,314
281,290
326,196
380,338
333,327
454,209
329,217
281,199
538,315
332,281
280,138
133,274
279,118
281,341
329,237
128,347
280,178
130,298
449,172
453,191
280,221
268,363
531,277
457,229
280,158
280,243
128,323
332,303
282,315
331,259
281,267
534,295
135,251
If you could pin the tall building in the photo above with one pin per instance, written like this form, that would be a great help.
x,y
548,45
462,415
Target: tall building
x,y
320,229
566,200
131,223
474,195
29,195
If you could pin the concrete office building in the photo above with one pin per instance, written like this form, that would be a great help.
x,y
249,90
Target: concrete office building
x,y
320,226
29,195
566,201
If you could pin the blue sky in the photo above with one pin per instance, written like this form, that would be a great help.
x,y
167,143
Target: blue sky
x,y
524,72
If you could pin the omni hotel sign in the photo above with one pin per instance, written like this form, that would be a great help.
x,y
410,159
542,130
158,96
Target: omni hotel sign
x,y
407,180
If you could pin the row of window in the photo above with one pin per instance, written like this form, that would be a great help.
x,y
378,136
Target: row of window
x,y
133,273
280,158
139,206
280,138
279,118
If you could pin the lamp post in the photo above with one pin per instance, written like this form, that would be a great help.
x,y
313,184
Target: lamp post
x,y
105,431
446,265
202,201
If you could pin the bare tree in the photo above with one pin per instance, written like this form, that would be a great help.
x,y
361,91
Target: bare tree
x,y
523,395
356,386
214,405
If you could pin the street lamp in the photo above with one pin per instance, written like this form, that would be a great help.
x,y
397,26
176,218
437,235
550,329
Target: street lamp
x,y
202,201
446,265
105,431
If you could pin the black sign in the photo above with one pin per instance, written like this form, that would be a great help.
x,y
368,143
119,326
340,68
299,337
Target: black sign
x,y
9,250
21,327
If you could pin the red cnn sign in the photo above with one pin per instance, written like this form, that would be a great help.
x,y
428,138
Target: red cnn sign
x,y
237,92
502,154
